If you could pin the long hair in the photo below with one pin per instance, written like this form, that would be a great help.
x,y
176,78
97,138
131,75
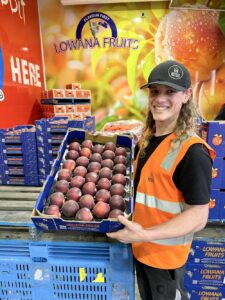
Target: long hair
x,y
185,125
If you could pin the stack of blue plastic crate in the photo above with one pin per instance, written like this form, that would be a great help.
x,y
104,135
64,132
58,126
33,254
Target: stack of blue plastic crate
x,y
50,133
44,270
18,156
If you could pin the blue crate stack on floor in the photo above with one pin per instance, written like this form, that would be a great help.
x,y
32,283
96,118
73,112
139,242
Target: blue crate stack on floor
x,y
65,270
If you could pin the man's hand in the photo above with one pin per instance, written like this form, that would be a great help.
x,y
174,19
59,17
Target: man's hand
x,y
132,232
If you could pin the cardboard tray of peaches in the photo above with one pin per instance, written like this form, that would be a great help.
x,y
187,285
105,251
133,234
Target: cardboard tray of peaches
x,y
89,186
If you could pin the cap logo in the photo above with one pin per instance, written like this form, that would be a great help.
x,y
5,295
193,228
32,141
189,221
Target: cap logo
x,y
175,72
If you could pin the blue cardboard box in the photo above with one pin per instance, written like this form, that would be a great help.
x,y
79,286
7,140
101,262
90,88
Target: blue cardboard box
x,y
205,274
214,134
205,292
48,222
214,205
207,251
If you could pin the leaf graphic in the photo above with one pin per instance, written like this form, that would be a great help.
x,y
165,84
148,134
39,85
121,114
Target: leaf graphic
x,y
149,64
107,119
132,63
159,11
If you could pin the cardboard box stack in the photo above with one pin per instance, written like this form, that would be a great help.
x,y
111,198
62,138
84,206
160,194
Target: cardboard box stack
x,y
50,133
205,270
18,158
72,102
214,134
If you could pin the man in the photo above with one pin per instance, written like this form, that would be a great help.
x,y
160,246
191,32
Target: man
x,y
171,186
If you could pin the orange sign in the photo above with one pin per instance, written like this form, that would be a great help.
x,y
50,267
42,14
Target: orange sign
x,y
21,70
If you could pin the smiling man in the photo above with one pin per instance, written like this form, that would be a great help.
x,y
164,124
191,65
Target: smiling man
x,y
171,186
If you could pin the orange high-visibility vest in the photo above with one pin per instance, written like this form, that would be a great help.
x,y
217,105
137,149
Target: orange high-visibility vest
x,y
158,200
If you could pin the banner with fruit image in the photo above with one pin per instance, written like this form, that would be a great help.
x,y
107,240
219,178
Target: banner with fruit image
x,y
110,49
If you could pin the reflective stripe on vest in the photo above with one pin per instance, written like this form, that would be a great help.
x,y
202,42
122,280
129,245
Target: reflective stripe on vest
x,y
184,240
166,206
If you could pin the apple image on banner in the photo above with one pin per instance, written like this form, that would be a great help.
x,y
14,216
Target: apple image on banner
x,y
2,97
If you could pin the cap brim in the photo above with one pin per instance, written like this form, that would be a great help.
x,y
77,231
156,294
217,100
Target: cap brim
x,y
172,85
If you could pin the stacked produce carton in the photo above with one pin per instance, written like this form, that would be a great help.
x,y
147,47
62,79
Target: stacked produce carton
x,y
205,270
72,102
89,185
18,157
214,134
50,133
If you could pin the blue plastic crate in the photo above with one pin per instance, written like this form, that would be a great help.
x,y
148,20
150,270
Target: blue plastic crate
x,y
65,270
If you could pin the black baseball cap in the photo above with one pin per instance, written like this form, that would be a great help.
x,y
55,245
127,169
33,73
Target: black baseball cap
x,y
170,73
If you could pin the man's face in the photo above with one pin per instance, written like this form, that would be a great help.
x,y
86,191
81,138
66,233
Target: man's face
x,y
165,102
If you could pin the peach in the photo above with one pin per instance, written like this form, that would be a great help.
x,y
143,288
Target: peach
x,y
52,210
110,146
64,174
69,164
119,178
102,195
104,183
89,188
74,194
84,214
80,170
87,201
77,181
117,202
105,173
192,37
120,168
101,210
94,166
108,154
57,198
121,151
85,152
72,154
107,163
115,213
74,146
117,189
96,157
70,208
92,176
87,144
82,161
120,159
61,186
98,148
